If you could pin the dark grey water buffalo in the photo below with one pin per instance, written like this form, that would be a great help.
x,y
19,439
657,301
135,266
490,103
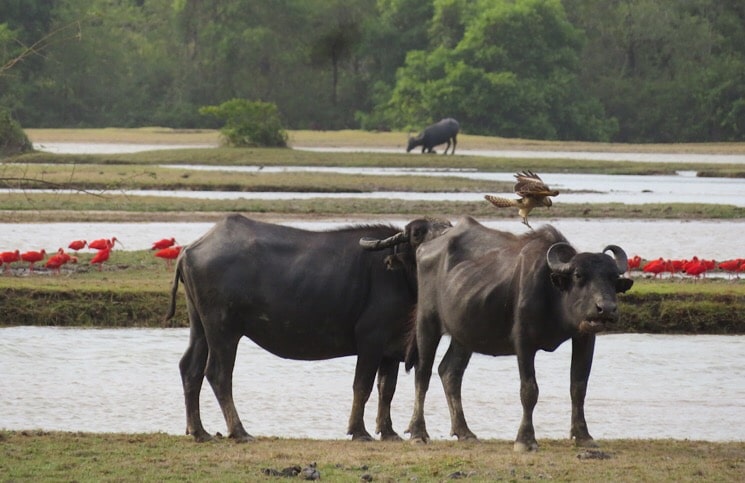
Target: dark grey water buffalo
x,y
439,133
300,295
500,294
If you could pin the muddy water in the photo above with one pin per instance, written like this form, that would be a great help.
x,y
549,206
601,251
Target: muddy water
x,y
101,380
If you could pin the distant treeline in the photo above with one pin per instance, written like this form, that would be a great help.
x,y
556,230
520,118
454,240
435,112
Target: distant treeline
x,y
627,71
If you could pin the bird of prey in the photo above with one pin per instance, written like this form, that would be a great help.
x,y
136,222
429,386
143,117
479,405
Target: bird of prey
x,y
532,191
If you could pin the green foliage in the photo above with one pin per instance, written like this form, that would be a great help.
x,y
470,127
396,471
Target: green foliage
x,y
632,71
249,123
12,138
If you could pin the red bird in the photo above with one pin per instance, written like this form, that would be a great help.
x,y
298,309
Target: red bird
x,y
9,257
33,257
164,243
655,266
168,254
635,262
103,243
101,257
77,245
731,266
60,258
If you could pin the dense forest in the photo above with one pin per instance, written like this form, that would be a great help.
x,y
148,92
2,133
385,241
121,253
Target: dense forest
x,y
615,70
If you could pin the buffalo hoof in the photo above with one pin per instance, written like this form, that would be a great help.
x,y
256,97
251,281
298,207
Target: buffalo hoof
x,y
202,437
390,437
242,438
521,447
419,440
362,437
585,443
471,438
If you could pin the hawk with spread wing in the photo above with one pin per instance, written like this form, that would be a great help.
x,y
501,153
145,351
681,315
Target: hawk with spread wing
x,y
532,191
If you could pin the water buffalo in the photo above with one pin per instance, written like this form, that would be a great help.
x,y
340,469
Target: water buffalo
x,y
500,294
439,133
300,295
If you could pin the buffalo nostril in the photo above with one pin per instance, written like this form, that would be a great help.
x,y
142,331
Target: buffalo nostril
x,y
606,309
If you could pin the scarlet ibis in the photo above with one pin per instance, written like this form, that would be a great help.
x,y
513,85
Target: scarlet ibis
x,y
695,267
164,243
60,258
101,257
655,266
77,245
732,266
9,257
168,254
635,262
103,243
32,257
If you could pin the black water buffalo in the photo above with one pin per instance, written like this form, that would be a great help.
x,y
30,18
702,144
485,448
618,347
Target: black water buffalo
x,y
500,294
439,133
300,295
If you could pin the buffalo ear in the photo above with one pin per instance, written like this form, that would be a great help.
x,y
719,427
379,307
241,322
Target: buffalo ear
x,y
560,281
623,284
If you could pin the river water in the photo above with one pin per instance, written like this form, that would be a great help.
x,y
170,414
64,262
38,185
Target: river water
x,y
650,239
127,380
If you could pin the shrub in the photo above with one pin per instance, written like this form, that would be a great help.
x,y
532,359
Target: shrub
x,y
12,138
249,123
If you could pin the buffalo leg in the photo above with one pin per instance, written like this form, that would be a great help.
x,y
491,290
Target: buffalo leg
x,y
364,379
192,366
447,147
455,142
427,338
220,364
583,347
387,378
525,440
451,371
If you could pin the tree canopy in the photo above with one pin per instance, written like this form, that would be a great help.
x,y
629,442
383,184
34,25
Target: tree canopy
x,y
631,71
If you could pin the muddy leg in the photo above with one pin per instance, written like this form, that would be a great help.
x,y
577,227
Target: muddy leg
x,y
583,348
220,363
451,371
525,440
364,379
192,366
427,338
387,379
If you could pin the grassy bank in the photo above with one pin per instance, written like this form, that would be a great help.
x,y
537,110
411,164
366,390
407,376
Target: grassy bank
x,y
133,290
43,456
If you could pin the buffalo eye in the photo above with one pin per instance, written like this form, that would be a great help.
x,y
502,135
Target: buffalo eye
x,y
578,277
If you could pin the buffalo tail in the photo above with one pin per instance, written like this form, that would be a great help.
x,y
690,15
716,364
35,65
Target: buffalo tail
x,y
412,350
174,291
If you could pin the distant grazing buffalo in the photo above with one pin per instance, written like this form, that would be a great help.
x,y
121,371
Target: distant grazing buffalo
x,y
436,134
300,295
499,294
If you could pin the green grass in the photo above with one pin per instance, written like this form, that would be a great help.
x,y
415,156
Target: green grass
x,y
44,456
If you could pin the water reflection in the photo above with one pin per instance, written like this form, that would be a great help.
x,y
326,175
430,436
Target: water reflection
x,y
127,380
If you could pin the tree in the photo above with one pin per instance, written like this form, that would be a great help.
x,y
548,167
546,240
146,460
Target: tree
x,y
249,123
512,73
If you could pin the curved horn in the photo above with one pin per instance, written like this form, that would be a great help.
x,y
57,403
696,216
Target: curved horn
x,y
622,261
369,243
558,256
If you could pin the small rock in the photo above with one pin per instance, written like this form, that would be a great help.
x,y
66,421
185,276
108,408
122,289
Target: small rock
x,y
593,454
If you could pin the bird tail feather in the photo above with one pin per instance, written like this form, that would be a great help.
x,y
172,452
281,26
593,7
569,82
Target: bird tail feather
x,y
500,202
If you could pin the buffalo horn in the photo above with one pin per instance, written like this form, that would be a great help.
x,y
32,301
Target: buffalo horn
x,y
558,257
375,244
622,260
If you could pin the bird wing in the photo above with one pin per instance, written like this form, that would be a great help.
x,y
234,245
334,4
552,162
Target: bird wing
x,y
501,202
530,184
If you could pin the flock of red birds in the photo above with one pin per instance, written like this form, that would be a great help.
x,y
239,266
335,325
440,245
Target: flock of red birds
x,y
166,249
695,267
